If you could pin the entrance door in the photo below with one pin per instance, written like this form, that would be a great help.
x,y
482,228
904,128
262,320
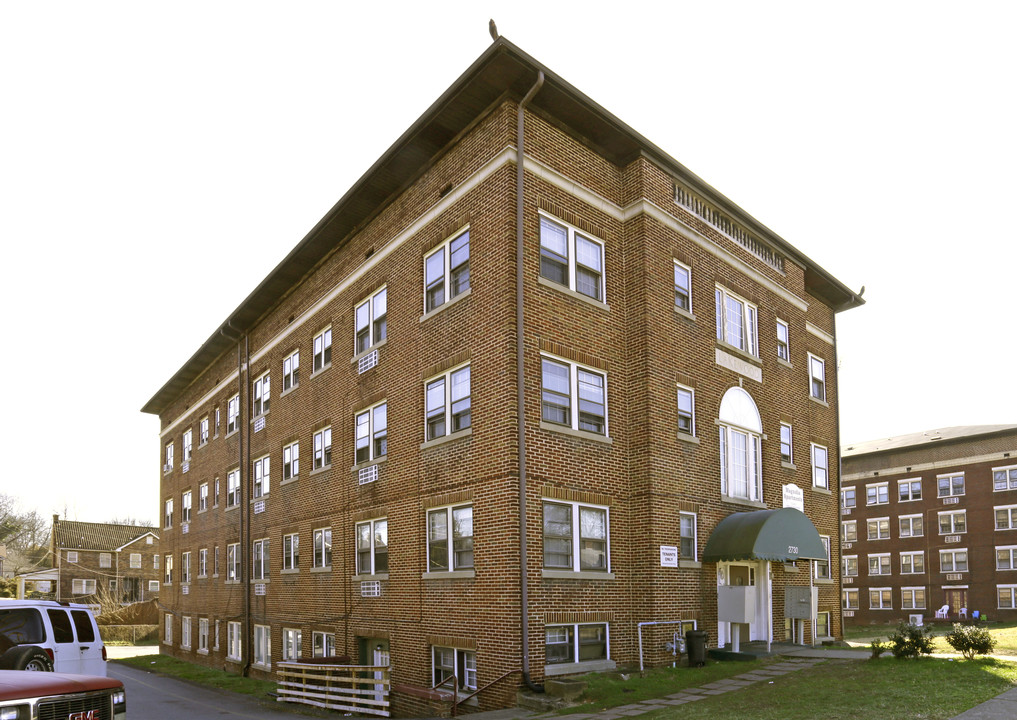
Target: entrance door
x,y
754,576
956,598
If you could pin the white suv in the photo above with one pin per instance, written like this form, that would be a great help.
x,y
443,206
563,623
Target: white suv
x,y
48,635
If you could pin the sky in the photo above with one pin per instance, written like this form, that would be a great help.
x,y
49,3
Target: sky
x,y
158,160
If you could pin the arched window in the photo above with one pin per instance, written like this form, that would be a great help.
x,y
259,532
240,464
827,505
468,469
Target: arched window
x,y
741,473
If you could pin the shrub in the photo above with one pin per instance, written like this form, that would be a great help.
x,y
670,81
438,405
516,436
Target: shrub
x,y
878,647
971,640
911,641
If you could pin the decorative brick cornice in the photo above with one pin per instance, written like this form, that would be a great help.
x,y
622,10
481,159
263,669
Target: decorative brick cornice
x,y
453,498
577,221
456,641
558,618
562,351
583,496
458,359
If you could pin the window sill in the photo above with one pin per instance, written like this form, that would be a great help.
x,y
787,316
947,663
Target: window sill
x,y
787,465
541,280
821,490
738,352
288,390
322,469
376,461
690,564
823,581
548,574
203,652
260,415
682,312
382,343
261,498
289,571
685,437
579,667
323,368
449,575
743,501
576,433
363,578
816,400
431,313
447,438
230,508
326,569
231,433
289,480
785,363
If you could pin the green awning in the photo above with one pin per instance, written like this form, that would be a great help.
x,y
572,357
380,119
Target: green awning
x,y
782,535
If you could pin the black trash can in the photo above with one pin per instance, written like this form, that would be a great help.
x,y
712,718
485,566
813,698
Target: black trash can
x,y
695,646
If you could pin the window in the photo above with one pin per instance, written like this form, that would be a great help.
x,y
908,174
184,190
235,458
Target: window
x,y
232,414
215,561
259,560
736,322
105,560
912,563
203,562
448,403
849,531
217,422
911,526
322,448
850,564
203,635
185,507
848,498
878,528
291,371
322,644
215,495
909,490
565,386
447,267
817,377
880,599
877,494
169,458
323,548
912,598
786,449
879,564
686,410
291,461
262,645
569,258
1006,517
575,537
950,485
155,560
153,586
849,599
82,587
262,395
167,564
291,552
783,350
371,434
167,633
185,632
187,445
233,640
322,350
822,624
1004,478
185,567
953,560
372,322
291,642
452,662
233,562
372,547
135,561
575,643
203,497
1006,557
951,523
682,286
203,431
168,513
454,521
261,486
823,566
233,488
820,467
687,530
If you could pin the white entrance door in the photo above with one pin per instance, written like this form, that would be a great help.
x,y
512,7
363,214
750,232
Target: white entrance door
x,y
754,575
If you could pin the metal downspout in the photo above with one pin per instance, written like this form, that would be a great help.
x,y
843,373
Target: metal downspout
x,y
520,389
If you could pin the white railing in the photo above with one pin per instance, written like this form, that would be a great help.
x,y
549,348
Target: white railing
x,y
361,689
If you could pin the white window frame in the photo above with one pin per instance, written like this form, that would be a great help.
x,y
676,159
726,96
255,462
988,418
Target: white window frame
x,y
185,506
185,632
576,539
885,598
787,441
135,561
261,394
1004,478
849,565
573,415
751,461
291,371
906,490
168,465
233,488
262,646
568,266
783,343
370,322
260,484
953,488
372,557
688,530
291,551
683,287
744,333
820,466
322,449
203,431
817,378
909,598
167,628
322,644
686,410
233,562
845,535
292,642
912,559
260,565
105,560
877,493
83,586
1011,514
911,525
846,601
1006,590
234,641
370,441
321,348
953,516
233,415
447,411
880,563
168,513
448,662
849,492
952,566
167,569
203,562
203,636
290,461
822,570
879,524
443,281
572,637
1011,557
450,538
322,555
185,566
203,497
187,445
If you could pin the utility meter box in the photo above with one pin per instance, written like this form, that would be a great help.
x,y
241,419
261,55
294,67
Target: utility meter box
x,y
736,603
800,603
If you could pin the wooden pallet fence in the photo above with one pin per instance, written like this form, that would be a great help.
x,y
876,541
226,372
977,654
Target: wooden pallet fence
x,y
360,689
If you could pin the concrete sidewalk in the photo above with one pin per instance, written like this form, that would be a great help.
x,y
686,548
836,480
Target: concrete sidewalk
x,y
1001,707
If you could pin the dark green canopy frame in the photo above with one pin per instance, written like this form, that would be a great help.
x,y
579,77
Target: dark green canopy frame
x,y
782,535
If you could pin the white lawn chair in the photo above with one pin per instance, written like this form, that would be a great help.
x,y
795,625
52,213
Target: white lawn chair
x,y
943,613
963,614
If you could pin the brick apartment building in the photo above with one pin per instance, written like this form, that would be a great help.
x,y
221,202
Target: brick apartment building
x,y
104,560
929,526
344,466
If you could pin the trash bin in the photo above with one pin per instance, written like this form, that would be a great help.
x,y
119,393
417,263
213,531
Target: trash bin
x,y
695,645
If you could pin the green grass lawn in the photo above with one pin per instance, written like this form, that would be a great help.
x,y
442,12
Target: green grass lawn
x,y
209,677
1005,635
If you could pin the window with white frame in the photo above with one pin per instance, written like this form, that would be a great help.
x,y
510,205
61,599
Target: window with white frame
x,y
911,526
849,531
291,644
822,624
135,561
322,346
1004,478
323,548
167,513
105,560
262,645
167,631
185,632
215,493
686,410
371,434
291,551
260,483
576,537
455,522
576,643
203,635
447,271
817,377
187,445
155,560
233,414
1006,557
447,408
912,598
185,506
820,467
215,561
849,598
203,562
449,663
233,640
575,397
878,528
953,560
783,334
84,586
217,421
1006,517
371,317
849,563
167,570
848,498
260,560
682,286
950,485
203,497
571,258
687,530
823,566
909,490
262,395
877,494
322,644
291,461
912,562
233,488
953,522
291,371
880,599
322,448
168,465
203,431
185,566
1006,596
879,564
741,430
736,321
372,547
233,562
786,446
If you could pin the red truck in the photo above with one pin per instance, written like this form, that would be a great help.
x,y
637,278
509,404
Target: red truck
x,y
35,695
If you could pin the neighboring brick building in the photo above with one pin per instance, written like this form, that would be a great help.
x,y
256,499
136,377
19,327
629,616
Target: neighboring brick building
x,y
114,561
929,521
341,459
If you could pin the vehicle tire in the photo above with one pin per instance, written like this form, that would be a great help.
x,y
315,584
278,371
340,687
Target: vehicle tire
x,y
26,657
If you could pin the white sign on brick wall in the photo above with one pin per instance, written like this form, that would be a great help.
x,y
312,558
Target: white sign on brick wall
x,y
668,556
794,497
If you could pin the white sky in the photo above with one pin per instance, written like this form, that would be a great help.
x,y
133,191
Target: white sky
x,y
157,160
